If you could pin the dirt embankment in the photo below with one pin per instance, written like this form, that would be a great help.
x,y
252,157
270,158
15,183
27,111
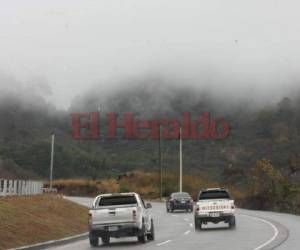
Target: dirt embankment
x,y
28,220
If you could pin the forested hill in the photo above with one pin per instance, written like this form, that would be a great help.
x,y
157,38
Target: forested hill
x,y
27,121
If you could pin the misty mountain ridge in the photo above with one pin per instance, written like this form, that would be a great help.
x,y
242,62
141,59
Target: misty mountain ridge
x,y
257,131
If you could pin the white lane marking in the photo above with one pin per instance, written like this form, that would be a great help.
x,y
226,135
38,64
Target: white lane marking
x,y
187,232
186,219
175,215
270,224
163,243
191,224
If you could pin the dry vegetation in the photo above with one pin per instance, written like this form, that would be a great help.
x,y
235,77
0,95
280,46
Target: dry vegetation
x,y
146,184
84,187
32,219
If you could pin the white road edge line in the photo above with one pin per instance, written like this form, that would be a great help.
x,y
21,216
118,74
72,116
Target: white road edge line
x,y
270,224
191,225
187,232
163,243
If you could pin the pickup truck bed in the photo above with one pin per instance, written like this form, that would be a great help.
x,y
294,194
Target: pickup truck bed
x,y
120,215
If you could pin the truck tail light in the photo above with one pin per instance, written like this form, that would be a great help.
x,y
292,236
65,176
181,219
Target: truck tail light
x,y
197,208
232,206
134,213
90,217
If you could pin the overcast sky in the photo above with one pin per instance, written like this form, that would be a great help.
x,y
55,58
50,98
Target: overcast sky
x,y
74,45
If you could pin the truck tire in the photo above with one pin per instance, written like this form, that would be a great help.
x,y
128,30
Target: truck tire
x,y
94,241
232,223
143,237
105,240
151,235
198,224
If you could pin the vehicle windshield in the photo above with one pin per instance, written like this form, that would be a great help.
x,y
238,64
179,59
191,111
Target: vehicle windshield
x,y
207,195
117,200
181,195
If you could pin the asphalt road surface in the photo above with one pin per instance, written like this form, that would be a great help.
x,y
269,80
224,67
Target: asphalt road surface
x,y
255,230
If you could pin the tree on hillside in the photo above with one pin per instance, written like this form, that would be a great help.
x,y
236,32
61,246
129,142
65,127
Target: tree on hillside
x,y
294,164
267,182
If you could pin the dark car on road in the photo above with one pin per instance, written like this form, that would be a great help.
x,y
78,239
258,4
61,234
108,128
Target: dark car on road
x,y
179,201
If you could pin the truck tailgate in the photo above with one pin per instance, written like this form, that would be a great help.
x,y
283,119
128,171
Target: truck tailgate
x,y
215,205
113,215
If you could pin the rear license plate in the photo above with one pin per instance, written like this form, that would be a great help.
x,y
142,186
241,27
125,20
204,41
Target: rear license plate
x,y
182,202
112,228
215,214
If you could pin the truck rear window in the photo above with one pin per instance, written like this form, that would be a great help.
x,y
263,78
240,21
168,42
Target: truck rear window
x,y
117,200
181,195
207,195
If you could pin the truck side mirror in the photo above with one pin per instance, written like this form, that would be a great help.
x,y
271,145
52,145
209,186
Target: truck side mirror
x,y
148,205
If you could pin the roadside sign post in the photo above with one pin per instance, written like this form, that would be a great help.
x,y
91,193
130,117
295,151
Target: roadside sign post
x,y
180,160
52,158
159,162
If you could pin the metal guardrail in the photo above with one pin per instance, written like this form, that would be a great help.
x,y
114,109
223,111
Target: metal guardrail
x,y
20,187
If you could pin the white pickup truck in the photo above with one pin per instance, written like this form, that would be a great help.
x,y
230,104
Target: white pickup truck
x,y
120,215
214,205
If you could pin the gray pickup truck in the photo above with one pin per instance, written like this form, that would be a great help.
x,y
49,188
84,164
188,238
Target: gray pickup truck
x,y
120,215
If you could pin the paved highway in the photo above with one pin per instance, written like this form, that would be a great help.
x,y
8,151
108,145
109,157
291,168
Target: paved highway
x,y
255,230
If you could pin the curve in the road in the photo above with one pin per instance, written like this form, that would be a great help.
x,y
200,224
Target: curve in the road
x,y
281,233
255,231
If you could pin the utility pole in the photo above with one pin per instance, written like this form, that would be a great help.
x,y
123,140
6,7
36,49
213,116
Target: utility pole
x,y
159,162
180,160
52,158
